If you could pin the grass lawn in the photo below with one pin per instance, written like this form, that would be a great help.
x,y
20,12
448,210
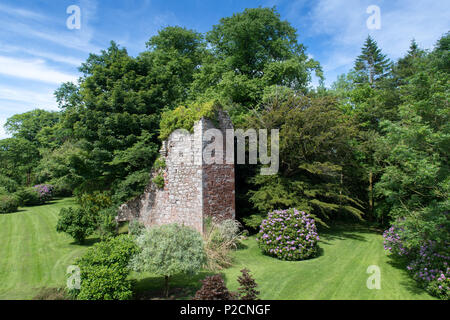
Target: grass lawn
x,y
33,256
339,272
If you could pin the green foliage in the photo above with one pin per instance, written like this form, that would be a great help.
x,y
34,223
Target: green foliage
x,y
317,164
371,65
132,186
253,221
168,250
185,117
136,228
104,270
8,203
252,50
107,224
76,222
9,184
160,163
159,181
29,197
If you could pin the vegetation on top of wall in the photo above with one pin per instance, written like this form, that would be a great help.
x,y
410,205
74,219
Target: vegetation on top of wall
x,y
185,117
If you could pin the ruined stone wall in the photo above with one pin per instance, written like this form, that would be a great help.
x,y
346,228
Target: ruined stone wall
x,y
193,189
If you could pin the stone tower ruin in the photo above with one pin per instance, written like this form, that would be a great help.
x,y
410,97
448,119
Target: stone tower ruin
x,y
194,189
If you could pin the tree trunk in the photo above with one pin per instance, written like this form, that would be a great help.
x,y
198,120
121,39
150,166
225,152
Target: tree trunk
x,y
166,286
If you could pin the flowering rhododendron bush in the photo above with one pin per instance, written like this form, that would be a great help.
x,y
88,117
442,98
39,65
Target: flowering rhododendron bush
x,y
45,192
428,263
288,235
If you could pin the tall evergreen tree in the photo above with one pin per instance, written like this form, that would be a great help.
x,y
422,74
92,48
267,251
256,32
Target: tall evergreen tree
x,y
371,65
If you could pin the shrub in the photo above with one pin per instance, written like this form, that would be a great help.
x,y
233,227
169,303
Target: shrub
x,y
220,239
247,289
168,250
45,192
159,181
213,288
104,270
107,224
288,235
9,184
136,228
159,163
77,222
427,262
185,117
29,197
8,204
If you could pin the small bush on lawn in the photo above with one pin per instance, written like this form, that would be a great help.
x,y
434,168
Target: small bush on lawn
x,y
104,270
76,222
220,238
8,204
214,288
247,290
288,235
168,250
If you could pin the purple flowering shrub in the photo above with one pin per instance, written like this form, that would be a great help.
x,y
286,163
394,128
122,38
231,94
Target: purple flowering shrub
x,y
288,235
428,263
45,192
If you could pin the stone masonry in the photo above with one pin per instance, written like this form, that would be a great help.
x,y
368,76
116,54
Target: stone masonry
x,y
193,188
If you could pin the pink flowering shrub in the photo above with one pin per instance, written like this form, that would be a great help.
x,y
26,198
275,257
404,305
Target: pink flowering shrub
x,y
288,235
427,263
45,192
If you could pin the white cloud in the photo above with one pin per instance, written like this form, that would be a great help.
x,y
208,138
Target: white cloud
x,y
344,25
34,99
34,70
42,54
3,134
21,12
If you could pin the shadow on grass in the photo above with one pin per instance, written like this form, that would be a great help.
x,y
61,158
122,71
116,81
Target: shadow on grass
x,y
87,243
182,287
410,284
343,232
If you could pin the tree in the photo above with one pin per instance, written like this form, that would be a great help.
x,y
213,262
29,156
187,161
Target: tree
x,y
28,125
18,157
317,164
371,65
250,51
168,250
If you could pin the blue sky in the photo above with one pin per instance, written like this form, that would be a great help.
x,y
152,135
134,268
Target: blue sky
x,y
38,51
